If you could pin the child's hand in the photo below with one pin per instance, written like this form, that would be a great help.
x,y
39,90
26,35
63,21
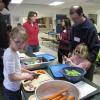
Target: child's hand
x,y
67,60
35,75
64,58
28,77
32,72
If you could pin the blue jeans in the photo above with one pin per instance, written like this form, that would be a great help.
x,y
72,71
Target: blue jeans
x,y
30,49
12,95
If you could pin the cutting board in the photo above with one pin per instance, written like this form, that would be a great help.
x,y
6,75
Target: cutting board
x,y
56,70
47,56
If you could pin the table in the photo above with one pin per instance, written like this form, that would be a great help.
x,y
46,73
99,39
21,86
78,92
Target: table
x,y
95,97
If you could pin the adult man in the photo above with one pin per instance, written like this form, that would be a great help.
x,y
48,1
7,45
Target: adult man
x,y
3,35
83,31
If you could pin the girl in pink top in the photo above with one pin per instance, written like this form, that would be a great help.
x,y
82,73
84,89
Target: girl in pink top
x,y
79,57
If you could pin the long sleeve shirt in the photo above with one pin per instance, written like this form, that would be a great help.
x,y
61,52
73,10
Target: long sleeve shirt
x,y
85,33
64,42
32,31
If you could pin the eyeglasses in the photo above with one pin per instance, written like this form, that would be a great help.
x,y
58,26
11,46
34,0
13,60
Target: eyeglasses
x,y
18,42
77,52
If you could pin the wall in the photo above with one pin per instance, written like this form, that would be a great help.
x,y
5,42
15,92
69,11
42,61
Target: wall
x,y
98,22
43,11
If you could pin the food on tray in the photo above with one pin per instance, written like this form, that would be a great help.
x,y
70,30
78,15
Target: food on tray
x,y
32,61
57,95
31,85
41,72
28,86
72,72
44,77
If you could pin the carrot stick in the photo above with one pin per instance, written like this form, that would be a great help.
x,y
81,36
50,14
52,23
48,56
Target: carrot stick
x,y
71,98
58,97
55,95
64,98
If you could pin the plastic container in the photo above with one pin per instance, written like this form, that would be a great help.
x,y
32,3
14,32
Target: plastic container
x,y
73,79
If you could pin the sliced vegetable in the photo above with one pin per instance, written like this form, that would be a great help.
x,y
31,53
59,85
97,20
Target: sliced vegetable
x,y
71,98
41,72
72,72
55,95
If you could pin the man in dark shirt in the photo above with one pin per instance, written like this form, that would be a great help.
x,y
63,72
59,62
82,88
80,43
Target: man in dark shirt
x,y
83,31
4,42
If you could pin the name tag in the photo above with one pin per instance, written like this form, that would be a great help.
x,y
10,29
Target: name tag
x,y
77,39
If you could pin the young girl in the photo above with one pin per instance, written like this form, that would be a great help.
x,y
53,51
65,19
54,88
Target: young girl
x,y
12,67
64,38
79,57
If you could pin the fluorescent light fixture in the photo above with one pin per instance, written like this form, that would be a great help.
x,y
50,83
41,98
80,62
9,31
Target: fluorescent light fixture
x,y
16,1
56,3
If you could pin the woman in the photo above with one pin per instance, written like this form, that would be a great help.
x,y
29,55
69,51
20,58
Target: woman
x,y
63,38
32,29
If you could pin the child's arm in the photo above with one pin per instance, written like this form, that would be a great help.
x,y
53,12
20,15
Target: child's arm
x,y
25,70
13,77
85,64
28,71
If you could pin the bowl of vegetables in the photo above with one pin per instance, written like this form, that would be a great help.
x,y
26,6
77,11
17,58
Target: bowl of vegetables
x,y
57,90
73,74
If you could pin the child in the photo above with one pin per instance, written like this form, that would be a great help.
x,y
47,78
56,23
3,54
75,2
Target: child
x,y
79,57
12,67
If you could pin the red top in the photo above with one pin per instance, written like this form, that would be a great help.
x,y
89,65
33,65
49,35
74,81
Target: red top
x,y
64,43
32,31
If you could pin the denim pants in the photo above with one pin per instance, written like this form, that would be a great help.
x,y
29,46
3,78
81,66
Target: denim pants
x,y
12,95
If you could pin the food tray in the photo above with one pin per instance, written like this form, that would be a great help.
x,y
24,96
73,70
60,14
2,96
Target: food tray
x,y
34,62
36,82
47,56
55,69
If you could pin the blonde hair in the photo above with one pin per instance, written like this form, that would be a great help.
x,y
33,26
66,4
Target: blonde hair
x,y
81,50
19,31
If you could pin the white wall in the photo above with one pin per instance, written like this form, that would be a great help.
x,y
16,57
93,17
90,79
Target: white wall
x,y
98,22
43,11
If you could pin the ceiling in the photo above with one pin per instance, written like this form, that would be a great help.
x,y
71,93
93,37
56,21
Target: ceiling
x,y
68,3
